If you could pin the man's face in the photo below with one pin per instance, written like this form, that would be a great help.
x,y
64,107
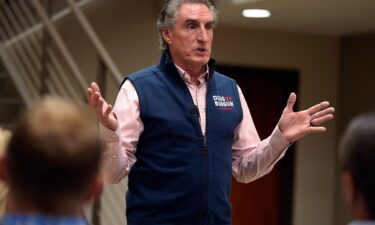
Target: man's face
x,y
190,39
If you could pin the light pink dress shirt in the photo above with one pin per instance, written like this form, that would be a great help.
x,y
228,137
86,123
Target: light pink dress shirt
x,y
251,157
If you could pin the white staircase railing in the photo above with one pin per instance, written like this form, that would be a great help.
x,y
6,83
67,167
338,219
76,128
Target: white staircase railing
x,y
38,61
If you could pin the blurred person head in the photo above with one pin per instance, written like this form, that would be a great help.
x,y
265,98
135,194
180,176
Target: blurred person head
x,y
4,138
358,166
51,165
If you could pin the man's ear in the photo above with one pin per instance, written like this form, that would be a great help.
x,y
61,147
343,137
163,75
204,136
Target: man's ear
x,y
167,36
348,187
96,188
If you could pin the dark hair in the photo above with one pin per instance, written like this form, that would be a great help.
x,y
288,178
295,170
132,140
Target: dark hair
x,y
358,157
54,154
169,11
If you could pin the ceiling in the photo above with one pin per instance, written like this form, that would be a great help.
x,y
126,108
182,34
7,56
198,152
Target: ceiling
x,y
327,17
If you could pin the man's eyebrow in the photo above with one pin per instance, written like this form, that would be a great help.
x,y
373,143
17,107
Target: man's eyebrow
x,y
211,22
196,21
191,21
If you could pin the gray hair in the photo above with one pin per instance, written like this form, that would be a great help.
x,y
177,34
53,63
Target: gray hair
x,y
169,11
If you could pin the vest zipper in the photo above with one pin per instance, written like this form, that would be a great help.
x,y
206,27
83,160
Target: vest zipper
x,y
204,145
204,154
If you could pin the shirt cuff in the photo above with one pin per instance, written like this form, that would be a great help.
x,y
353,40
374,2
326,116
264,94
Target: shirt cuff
x,y
278,140
107,135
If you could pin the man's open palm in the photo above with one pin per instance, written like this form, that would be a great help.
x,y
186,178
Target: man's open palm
x,y
295,125
102,109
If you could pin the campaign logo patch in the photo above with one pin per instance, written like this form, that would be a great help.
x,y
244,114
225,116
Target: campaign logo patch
x,y
223,102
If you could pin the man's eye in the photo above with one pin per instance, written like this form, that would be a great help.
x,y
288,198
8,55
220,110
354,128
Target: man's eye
x,y
209,26
191,26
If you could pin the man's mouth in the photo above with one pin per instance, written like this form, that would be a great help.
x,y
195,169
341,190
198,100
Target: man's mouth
x,y
201,50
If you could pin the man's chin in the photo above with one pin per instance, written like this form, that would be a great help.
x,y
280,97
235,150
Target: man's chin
x,y
202,60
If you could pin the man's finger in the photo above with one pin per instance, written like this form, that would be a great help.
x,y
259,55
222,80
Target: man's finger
x,y
321,120
108,110
90,97
323,112
99,107
291,101
95,88
318,107
95,99
312,130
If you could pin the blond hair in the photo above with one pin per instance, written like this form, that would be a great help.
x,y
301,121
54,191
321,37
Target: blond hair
x,y
4,139
53,155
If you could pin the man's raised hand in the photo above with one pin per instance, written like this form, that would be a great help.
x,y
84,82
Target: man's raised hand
x,y
295,125
101,108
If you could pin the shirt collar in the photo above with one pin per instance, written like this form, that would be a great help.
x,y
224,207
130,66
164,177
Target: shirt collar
x,y
186,77
167,65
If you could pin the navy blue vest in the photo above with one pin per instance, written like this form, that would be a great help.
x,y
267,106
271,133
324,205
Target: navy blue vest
x,y
182,176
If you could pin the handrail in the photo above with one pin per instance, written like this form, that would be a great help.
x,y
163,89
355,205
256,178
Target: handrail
x,y
20,52
102,52
6,32
56,68
27,93
60,44
39,26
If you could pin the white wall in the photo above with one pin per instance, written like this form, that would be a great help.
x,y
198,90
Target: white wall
x,y
127,28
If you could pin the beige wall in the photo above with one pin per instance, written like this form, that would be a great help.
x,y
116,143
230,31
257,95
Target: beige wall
x,y
357,76
316,58
357,79
127,28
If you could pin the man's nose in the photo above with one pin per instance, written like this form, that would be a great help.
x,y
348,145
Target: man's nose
x,y
203,34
